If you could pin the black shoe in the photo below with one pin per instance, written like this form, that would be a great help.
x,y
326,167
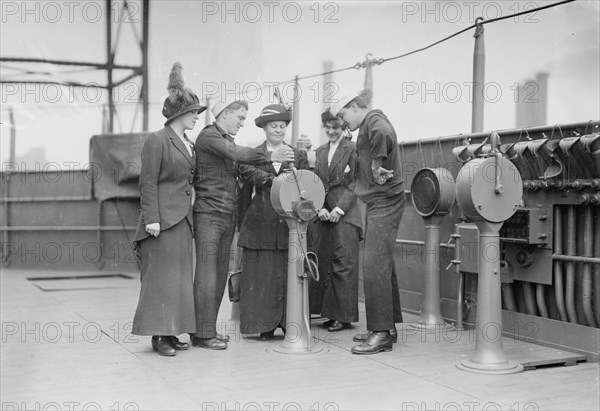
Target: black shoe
x,y
377,342
328,323
162,345
209,343
222,337
178,345
338,326
365,337
267,336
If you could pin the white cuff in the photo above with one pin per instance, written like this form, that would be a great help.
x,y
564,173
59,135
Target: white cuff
x,y
339,210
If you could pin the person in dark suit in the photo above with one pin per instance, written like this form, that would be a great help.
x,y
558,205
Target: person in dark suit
x,y
215,211
380,186
164,233
339,228
264,235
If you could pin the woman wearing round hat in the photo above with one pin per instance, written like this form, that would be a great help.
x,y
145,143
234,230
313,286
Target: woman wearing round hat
x,y
164,234
264,235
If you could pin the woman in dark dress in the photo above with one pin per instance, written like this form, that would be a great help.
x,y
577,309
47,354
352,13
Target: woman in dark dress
x,y
164,234
264,235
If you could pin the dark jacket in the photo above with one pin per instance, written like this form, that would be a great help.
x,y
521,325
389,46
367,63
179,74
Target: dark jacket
x,y
377,139
339,179
166,179
263,228
216,169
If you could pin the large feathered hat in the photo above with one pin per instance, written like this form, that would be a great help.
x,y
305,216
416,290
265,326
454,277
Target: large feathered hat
x,y
181,99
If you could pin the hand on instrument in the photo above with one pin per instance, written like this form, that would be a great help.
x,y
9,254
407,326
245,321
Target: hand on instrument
x,y
153,229
282,154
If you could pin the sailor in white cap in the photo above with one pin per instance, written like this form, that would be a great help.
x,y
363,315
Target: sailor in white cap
x,y
379,185
215,209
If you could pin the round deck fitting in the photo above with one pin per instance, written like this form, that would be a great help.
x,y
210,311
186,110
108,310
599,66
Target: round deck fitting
x,y
433,191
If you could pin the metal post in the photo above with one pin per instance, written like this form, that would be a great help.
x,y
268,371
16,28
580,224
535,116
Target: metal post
x,y
369,80
5,186
327,80
297,334
431,315
467,283
478,78
596,277
145,79
570,272
13,136
109,67
558,273
587,284
489,357
295,195
460,293
295,114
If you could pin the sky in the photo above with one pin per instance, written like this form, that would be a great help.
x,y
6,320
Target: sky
x,y
239,47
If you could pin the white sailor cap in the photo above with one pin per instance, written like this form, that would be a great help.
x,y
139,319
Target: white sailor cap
x,y
342,102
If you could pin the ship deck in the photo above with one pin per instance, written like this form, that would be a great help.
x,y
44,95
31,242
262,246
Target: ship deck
x,y
66,345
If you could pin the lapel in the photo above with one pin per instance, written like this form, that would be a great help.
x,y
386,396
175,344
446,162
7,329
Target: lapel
x,y
176,141
192,147
321,161
338,155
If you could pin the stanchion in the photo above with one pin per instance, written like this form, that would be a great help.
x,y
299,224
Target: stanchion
x,y
296,195
433,193
489,190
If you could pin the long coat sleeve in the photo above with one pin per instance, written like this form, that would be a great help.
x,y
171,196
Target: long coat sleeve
x,y
166,179
217,160
339,180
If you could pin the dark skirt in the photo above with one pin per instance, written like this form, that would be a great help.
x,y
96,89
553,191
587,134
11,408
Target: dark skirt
x,y
166,305
263,290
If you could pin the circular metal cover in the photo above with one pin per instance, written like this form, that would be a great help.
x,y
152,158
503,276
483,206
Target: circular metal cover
x,y
433,191
476,189
286,190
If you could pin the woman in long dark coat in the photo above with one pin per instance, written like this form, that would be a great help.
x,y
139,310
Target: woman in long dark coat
x,y
264,235
339,229
164,234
